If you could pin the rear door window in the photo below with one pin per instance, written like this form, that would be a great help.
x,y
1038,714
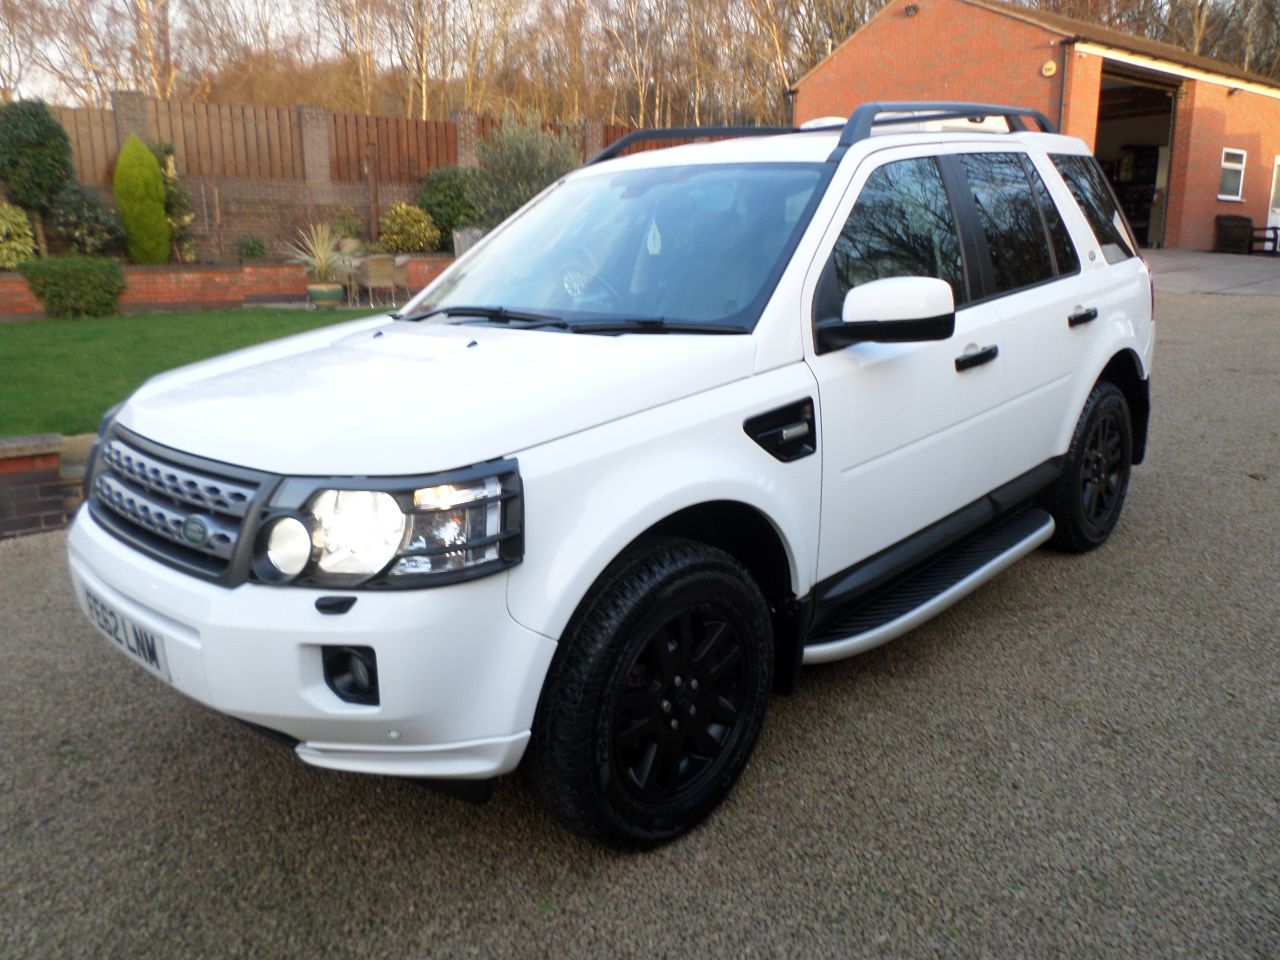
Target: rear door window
x,y
1098,204
1011,220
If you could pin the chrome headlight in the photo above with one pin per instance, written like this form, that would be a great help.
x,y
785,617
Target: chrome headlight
x,y
402,533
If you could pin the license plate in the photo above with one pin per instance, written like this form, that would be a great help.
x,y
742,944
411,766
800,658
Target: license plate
x,y
143,645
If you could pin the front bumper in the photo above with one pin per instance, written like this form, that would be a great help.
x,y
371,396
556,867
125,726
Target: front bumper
x,y
458,677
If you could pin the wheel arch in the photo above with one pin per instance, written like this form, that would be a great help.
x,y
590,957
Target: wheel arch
x,y
1124,370
748,536
745,533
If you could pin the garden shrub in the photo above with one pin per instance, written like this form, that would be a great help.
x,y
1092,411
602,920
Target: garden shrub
x,y
177,203
347,225
516,163
83,221
445,196
407,229
75,286
16,241
35,159
139,190
251,248
35,155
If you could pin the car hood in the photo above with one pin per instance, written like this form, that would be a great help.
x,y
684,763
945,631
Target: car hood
x,y
377,397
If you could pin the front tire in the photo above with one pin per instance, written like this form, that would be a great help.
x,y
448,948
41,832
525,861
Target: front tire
x,y
1088,496
656,697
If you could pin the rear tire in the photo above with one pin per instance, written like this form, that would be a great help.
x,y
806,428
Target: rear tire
x,y
1088,496
656,696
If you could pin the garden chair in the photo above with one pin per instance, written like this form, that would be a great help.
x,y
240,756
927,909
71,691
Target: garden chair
x,y
376,274
402,276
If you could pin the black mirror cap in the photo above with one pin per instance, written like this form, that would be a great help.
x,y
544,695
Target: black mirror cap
x,y
834,334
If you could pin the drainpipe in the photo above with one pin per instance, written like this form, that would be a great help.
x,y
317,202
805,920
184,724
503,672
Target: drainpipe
x,y
1066,43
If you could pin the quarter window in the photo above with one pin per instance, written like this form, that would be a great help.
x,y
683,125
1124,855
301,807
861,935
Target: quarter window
x,y
902,225
1011,220
1098,204
1231,183
1064,250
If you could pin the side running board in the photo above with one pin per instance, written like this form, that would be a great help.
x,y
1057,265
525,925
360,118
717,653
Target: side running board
x,y
930,590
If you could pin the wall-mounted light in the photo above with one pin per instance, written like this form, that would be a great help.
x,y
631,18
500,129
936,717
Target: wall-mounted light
x,y
1233,91
911,10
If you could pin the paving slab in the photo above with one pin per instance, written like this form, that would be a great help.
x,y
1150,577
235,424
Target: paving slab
x,y
1190,271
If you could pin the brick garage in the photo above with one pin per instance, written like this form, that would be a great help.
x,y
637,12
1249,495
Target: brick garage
x,y
1168,126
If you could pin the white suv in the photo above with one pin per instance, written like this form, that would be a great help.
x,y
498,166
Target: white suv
x,y
690,419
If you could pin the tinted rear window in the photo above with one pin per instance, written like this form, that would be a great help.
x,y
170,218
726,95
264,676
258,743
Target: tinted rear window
x,y
1085,181
1064,251
1011,219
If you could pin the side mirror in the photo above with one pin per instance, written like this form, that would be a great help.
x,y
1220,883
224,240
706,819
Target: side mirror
x,y
893,310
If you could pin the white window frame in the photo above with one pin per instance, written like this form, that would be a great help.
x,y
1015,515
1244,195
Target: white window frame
x,y
1232,165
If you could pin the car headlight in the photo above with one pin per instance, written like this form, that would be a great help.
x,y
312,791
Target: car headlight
x,y
406,533
356,531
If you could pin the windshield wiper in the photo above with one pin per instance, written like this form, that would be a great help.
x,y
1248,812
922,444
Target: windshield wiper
x,y
520,318
651,325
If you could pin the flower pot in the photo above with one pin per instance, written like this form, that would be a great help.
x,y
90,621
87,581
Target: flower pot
x,y
324,296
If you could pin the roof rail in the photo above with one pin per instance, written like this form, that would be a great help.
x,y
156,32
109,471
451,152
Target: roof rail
x,y
867,116
683,133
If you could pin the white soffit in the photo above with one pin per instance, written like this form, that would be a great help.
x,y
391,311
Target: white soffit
x,y
1174,69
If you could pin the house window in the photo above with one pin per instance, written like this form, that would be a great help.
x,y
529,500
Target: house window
x,y
1231,184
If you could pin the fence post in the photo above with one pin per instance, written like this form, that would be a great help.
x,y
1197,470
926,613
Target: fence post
x,y
130,110
315,144
468,126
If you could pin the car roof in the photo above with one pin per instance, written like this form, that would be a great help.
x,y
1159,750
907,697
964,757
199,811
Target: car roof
x,y
816,146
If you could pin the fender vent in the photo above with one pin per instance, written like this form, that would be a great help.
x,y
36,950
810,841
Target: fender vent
x,y
787,433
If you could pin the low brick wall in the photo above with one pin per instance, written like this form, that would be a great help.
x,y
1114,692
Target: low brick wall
x,y
199,286
33,495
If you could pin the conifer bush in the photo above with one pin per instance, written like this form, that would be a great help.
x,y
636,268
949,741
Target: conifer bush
x,y
140,195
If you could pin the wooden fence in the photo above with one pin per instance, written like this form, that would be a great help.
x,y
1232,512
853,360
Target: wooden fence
x,y
405,149
220,140
223,140
94,144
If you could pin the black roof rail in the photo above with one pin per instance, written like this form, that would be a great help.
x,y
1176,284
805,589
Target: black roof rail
x,y
683,133
867,116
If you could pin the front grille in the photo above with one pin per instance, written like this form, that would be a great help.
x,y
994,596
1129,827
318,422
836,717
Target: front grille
x,y
185,511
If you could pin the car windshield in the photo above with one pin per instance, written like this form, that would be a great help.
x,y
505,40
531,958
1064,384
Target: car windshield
x,y
701,245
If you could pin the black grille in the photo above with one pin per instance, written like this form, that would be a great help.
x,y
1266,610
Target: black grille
x,y
186,511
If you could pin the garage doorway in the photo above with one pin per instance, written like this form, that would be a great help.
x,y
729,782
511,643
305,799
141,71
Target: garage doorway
x,y
1135,131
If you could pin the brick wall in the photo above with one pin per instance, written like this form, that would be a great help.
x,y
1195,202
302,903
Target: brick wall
x,y
226,209
33,496
1083,80
947,51
198,286
1209,118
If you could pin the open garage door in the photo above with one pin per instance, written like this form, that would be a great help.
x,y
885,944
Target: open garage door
x,y
1135,130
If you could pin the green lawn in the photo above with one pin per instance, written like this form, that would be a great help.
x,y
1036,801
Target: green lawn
x,y
58,376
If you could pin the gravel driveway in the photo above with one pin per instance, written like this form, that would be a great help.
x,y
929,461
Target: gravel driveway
x,y
1082,759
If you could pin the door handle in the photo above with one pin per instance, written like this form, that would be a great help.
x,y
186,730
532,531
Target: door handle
x,y
977,358
1082,316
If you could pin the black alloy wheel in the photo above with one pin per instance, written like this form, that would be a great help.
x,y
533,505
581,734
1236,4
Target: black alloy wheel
x,y
680,706
1105,470
1088,495
655,697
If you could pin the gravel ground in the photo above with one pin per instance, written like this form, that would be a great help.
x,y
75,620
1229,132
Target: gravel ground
x,y
1082,759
